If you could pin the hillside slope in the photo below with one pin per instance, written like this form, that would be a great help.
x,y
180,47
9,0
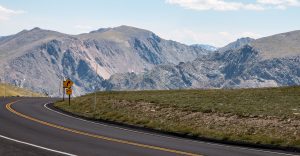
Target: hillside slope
x,y
279,45
9,90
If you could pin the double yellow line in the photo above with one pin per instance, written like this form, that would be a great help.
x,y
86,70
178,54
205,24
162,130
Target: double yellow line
x,y
8,107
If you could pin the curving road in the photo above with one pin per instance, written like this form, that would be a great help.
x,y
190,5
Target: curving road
x,y
29,127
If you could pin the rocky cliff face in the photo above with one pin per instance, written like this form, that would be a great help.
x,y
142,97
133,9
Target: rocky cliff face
x,y
39,59
242,68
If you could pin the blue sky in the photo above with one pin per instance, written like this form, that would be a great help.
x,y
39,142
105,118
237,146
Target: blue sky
x,y
215,22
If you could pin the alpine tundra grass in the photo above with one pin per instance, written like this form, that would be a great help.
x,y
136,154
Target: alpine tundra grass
x,y
10,90
257,116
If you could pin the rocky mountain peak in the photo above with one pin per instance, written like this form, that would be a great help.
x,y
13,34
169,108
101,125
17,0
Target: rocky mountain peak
x,y
239,43
100,30
36,29
244,40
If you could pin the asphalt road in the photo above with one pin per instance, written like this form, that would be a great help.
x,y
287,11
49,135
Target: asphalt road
x,y
39,130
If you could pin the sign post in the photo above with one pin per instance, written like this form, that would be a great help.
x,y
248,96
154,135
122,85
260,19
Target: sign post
x,y
64,87
68,86
69,92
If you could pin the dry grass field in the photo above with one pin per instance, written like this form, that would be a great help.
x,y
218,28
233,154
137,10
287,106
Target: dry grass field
x,y
15,91
257,116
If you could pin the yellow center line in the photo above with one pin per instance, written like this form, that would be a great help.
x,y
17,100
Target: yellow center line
x,y
8,107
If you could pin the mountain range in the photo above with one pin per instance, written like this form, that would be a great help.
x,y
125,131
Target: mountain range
x,y
128,58
40,59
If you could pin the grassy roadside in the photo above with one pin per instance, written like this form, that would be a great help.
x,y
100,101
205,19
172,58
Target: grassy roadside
x,y
16,91
259,116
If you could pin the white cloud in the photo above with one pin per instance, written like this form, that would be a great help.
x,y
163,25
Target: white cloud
x,y
249,34
218,39
6,13
280,2
224,33
219,5
83,28
230,37
222,5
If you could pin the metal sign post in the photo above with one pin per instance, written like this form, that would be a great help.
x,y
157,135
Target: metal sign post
x,y
69,92
68,85
64,87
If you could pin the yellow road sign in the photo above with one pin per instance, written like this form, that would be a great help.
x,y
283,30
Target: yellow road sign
x,y
65,84
68,83
69,91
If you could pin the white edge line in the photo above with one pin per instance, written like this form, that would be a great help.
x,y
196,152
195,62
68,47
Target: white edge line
x,y
228,146
37,146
